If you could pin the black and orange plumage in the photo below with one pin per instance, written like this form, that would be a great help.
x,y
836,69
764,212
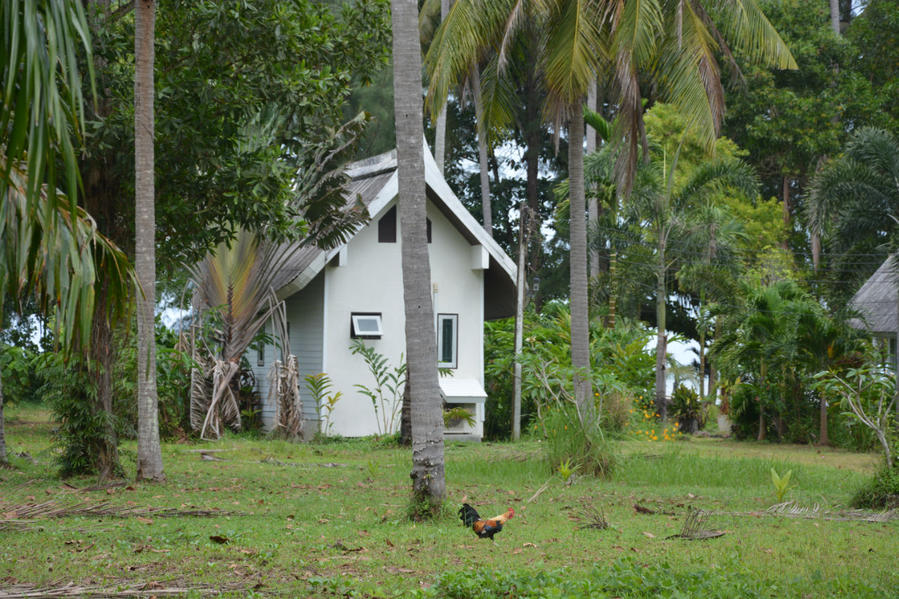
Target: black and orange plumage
x,y
485,528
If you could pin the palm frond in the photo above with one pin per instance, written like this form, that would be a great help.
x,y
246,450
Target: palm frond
x,y
469,28
747,29
41,83
569,63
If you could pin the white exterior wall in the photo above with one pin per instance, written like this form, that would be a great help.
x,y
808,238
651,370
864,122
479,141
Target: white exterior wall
x,y
371,281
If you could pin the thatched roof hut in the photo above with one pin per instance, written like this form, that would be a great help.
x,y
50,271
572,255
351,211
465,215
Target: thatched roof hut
x,y
877,302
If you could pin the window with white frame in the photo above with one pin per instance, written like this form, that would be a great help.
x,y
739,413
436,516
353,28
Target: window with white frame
x,y
447,340
365,325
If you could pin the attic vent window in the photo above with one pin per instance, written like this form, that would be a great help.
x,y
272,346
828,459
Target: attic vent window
x,y
365,325
387,227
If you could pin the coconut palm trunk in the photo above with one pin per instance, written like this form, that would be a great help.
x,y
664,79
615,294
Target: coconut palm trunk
x,y
580,337
428,480
440,126
149,456
3,459
593,205
661,402
486,207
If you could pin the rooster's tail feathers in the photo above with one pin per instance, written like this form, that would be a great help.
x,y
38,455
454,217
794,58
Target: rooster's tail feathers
x,y
468,515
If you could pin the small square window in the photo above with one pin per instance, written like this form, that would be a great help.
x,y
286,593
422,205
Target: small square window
x,y
365,325
447,340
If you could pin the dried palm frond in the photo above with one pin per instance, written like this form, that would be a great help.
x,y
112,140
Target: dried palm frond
x,y
223,409
694,527
284,392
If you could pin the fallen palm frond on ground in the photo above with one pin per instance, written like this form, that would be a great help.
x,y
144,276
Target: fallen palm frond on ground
x,y
694,527
22,516
590,516
790,509
146,589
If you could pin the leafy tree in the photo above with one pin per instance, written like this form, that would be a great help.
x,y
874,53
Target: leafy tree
x,y
214,100
789,121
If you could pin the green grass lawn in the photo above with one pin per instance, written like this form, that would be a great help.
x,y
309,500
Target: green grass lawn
x,y
330,520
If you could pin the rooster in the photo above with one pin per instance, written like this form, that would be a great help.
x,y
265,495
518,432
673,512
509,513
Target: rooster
x,y
485,529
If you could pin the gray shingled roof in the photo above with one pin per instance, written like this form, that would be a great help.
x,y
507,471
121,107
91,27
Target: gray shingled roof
x,y
368,179
876,302
366,189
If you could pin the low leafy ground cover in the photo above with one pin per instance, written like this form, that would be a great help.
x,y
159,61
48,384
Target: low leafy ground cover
x,y
269,517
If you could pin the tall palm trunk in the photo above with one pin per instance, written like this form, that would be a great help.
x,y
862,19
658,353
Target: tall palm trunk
x,y
661,335
593,204
580,331
835,16
3,458
763,429
527,210
440,127
149,456
520,286
428,478
486,206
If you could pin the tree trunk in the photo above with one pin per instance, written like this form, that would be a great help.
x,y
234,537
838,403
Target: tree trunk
x,y
823,439
593,204
702,369
149,455
406,417
428,478
4,459
519,318
440,126
580,332
763,433
486,206
835,16
786,210
613,289
534,138
101,366
661,402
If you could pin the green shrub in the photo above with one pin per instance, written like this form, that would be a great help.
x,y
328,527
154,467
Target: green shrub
x,y
82,432
173,364
687,408
22,378
583,448
881,493
616,411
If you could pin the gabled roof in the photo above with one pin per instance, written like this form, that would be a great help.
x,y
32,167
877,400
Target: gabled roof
x,y
374,182
876,301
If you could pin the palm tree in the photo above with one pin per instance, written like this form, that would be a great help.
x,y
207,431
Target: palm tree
x,y
234,296
673,45
666,211
49,247
149,453
854,199
428,477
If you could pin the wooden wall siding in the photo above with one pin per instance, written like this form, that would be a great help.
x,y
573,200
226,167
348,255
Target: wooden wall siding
x,y
305,312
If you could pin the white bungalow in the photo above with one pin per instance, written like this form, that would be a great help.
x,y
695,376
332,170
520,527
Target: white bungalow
x,y
876,304
356,291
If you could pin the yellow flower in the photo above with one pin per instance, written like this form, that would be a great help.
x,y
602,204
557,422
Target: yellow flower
x,y
654,438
